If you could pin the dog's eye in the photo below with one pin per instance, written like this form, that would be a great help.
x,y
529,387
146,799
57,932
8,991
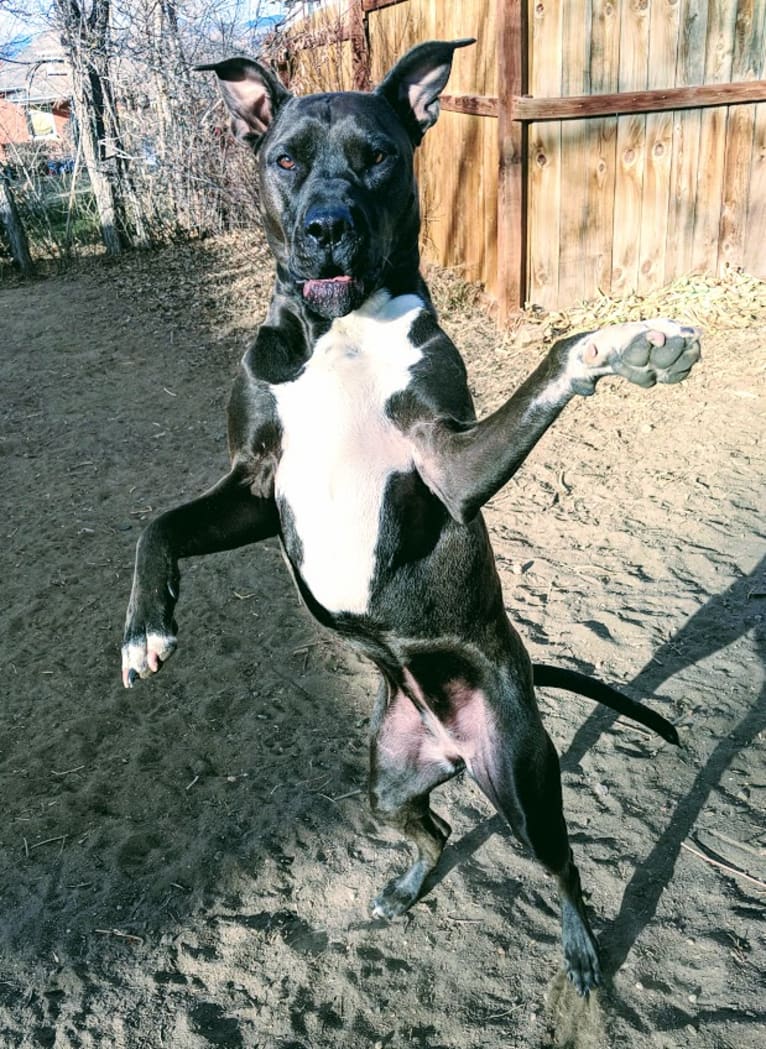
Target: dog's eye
x,y
286,162
378,157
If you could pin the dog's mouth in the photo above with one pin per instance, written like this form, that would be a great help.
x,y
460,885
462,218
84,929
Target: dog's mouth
x,y
333,297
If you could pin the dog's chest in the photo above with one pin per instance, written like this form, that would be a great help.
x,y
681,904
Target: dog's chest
x,y
339,447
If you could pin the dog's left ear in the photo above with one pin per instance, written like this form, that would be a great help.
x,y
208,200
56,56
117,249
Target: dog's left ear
x,y
413,86
253,96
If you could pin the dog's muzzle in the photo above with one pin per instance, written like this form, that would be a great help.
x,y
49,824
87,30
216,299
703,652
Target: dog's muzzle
x,y
328,249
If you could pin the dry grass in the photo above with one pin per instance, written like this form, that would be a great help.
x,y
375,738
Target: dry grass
x,y
728,303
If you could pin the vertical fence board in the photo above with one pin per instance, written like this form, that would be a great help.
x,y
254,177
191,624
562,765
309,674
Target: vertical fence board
x,y
604,64
655,200
575,220
679,235
631,148
597,261
707,207
628,191
749,40
392,31
754,257
740,125
512,137
576,151
750,63
690,69
736,179
663,47
360,49
544,151
719,52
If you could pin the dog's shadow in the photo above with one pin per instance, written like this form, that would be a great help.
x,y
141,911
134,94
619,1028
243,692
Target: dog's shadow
x,y
719,623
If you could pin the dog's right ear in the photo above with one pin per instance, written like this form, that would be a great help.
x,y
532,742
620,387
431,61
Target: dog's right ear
x,y
253,96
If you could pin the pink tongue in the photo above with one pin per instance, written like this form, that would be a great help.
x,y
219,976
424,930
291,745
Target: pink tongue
x,y
333,297
312,286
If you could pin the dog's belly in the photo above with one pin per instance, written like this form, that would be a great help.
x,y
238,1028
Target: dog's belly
x,y
339,447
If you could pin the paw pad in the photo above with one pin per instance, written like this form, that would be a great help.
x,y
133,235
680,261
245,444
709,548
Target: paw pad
x,y
643,352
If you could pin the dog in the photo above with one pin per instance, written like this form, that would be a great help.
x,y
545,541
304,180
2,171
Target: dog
x,y
354,440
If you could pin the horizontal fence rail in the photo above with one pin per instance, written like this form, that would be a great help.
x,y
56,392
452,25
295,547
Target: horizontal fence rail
x,y
624,102
576,107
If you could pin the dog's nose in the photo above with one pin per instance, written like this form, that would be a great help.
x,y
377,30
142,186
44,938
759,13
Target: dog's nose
x,y
328,224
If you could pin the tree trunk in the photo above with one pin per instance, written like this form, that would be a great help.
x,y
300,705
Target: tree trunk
x,y
170,74
103,190
86,37
14,228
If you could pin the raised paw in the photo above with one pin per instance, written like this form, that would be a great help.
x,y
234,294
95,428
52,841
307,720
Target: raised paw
x,y
149,639
643,352
143,653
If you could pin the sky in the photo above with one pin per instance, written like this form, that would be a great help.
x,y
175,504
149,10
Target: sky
x,y
12,26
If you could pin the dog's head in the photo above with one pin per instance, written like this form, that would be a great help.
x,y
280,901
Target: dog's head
x,y
337,188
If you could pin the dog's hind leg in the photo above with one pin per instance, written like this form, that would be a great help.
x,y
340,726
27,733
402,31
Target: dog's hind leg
x,y
406,762
518,769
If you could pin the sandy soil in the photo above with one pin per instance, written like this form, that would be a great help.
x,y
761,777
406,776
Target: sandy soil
x,y
189,864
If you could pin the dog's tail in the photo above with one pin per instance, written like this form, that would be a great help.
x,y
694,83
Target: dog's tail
x,y
555,677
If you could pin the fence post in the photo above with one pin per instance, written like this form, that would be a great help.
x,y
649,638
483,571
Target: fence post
x,y
360,46
14,228
512,188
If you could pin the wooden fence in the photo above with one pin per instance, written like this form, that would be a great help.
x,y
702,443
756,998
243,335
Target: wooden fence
x,y
585,146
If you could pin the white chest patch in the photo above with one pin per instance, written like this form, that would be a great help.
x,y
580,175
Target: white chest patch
x,y
339,447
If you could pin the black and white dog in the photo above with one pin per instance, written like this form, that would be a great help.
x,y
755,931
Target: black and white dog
x,y
353,439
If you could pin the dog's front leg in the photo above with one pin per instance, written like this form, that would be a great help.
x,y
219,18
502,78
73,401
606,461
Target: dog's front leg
x,y
227,516
466,464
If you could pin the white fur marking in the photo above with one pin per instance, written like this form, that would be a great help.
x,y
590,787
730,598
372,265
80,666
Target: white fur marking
x,y
146,656
339,447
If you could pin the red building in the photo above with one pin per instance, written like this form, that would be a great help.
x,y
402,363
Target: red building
x,y
35,104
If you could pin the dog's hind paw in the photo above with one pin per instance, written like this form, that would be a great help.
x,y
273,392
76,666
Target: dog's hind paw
x,y
643,352
584,973
580,952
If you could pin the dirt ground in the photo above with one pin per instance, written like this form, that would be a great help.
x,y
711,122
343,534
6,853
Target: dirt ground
x,y
189,864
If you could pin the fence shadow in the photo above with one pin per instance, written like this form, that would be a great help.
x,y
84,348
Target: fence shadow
x,y
716,625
